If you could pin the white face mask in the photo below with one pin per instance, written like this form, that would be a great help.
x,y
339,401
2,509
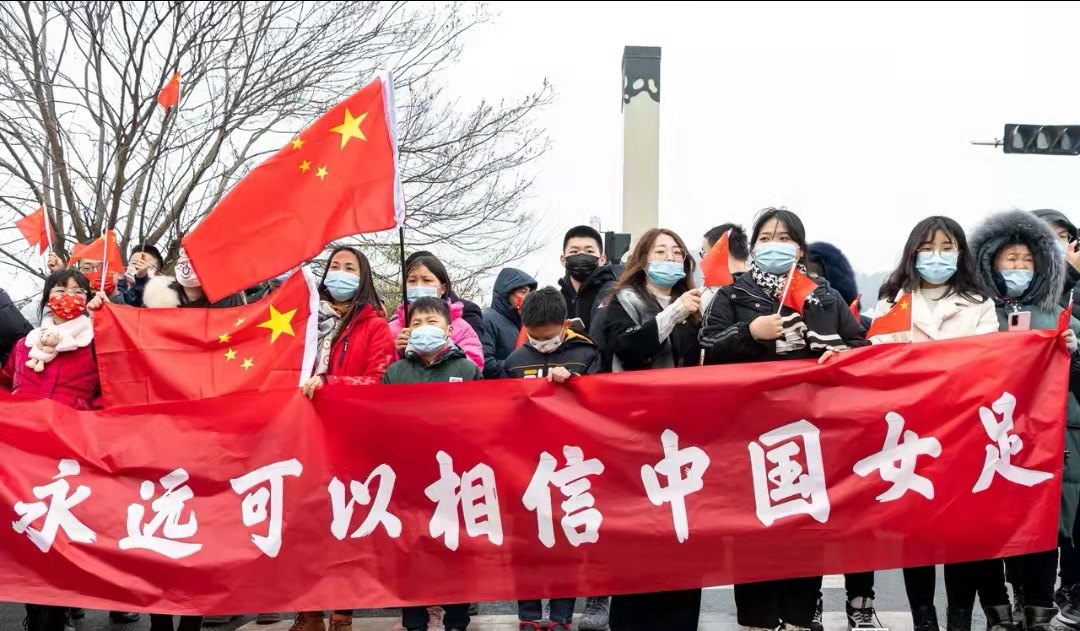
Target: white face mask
x,y
185,273
547,346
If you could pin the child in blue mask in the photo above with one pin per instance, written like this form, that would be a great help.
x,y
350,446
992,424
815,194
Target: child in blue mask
x,y
431,355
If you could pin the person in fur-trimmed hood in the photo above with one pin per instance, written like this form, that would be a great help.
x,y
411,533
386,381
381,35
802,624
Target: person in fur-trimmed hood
x,y
825,260
1023,270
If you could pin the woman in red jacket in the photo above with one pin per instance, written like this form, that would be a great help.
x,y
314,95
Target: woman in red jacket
x,y
355,348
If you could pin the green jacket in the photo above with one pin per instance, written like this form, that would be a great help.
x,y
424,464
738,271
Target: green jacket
x,y
450,364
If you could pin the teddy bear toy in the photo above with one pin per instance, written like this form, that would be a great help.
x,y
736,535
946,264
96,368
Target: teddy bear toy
x,y
44,351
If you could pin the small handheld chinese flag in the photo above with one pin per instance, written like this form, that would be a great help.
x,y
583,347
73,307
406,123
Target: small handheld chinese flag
x,y
855,307
337,178
799,287
1065,317
147,356
715,264
170,94
897,320
36,230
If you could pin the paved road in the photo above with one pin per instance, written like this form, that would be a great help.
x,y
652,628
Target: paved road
x,y
718,609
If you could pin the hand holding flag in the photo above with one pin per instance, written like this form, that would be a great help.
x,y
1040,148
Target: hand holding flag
x,y
798,288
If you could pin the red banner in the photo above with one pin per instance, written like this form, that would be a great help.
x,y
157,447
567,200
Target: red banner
x,y
888,456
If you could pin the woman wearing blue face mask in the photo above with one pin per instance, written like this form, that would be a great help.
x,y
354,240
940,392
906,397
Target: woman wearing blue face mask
x,y
1024,270
652,322
426,277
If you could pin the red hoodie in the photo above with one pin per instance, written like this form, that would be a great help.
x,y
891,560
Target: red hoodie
x,y
71,378
363,351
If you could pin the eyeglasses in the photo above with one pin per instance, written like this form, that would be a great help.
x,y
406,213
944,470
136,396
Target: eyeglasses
x,y
89,268
675,255
60,291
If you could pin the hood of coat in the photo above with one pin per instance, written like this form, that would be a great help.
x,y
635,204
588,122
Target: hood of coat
x,y
837,269
1052,216
1017,226
508,280
457,309
161,292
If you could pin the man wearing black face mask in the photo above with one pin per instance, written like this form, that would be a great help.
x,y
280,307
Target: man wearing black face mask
x,y
589,277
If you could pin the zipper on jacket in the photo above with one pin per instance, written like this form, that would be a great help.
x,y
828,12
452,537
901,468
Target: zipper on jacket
x,y
344,349
761,297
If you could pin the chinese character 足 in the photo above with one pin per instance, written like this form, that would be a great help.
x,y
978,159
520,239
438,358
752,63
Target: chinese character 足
x,y
266,504
903,477
693,462
999,457
361,494
169,509
474,492
781,490
581,520
57,511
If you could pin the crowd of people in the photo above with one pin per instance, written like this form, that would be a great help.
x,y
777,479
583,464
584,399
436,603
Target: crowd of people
x,y
644,314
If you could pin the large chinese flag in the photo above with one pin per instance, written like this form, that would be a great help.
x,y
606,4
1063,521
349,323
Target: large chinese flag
x,y
714,266
799,287
897,320
158,355
337,178
36,230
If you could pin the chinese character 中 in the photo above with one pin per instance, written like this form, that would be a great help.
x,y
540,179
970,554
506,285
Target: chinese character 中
x,y
581,520
57,511
693,462
169,508
903,477
361,494
264,503
782,490
999,457
474,492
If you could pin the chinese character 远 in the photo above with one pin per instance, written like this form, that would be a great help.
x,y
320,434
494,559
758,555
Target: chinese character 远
x,y
782,490
169,508
903,477
361,494
691,460
475,493
255,506
581,520
57,512
999,457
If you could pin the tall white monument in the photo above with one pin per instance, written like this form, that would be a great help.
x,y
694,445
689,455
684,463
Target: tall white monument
x,y
641,139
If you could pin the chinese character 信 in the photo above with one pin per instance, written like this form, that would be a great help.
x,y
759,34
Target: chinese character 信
x,y
581,520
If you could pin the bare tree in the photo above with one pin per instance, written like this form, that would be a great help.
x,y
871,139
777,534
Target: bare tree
x,y
81,131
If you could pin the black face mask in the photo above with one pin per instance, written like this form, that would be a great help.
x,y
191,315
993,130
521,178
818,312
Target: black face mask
x,y
581,266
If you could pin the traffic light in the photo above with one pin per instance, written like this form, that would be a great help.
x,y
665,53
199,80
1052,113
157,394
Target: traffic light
x,y
616,244
1050,140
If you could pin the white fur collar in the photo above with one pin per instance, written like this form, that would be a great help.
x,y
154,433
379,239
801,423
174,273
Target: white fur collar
x,y
159,293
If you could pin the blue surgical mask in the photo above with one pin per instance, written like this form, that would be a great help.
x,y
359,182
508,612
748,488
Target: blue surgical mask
x,y
1060,248
775,257
1016,281
427,339
341,285
936,268
416,293
664,274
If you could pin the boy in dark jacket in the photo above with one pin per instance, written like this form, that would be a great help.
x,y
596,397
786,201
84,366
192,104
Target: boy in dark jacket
x,y
590,278
554,351
502,320
431,356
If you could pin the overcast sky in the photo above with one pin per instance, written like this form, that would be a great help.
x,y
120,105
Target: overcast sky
x,y
856,116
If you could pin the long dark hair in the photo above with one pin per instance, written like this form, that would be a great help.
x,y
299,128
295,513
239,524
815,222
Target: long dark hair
x,y
634,274
965,282
61,277
437,269
792,224
365,293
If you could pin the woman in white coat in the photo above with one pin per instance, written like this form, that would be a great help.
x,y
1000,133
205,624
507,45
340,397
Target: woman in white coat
x,y
947,301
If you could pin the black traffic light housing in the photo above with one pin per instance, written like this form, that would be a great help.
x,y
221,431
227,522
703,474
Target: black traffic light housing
x,y
1049,140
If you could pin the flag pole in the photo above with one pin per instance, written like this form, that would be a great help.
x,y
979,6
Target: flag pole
x,y
404,277
787,286
104,258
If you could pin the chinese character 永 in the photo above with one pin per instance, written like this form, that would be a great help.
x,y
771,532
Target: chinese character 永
x,y
693,462
999,456
57,511
781,490
266,504
903,477
169,509
474,492
361,494
581,520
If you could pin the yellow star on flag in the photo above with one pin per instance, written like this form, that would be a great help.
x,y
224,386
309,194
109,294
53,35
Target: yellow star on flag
x,y
305,166
279,323
903,305
297,143
248,363
223,338
321,173
230,355
350,128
